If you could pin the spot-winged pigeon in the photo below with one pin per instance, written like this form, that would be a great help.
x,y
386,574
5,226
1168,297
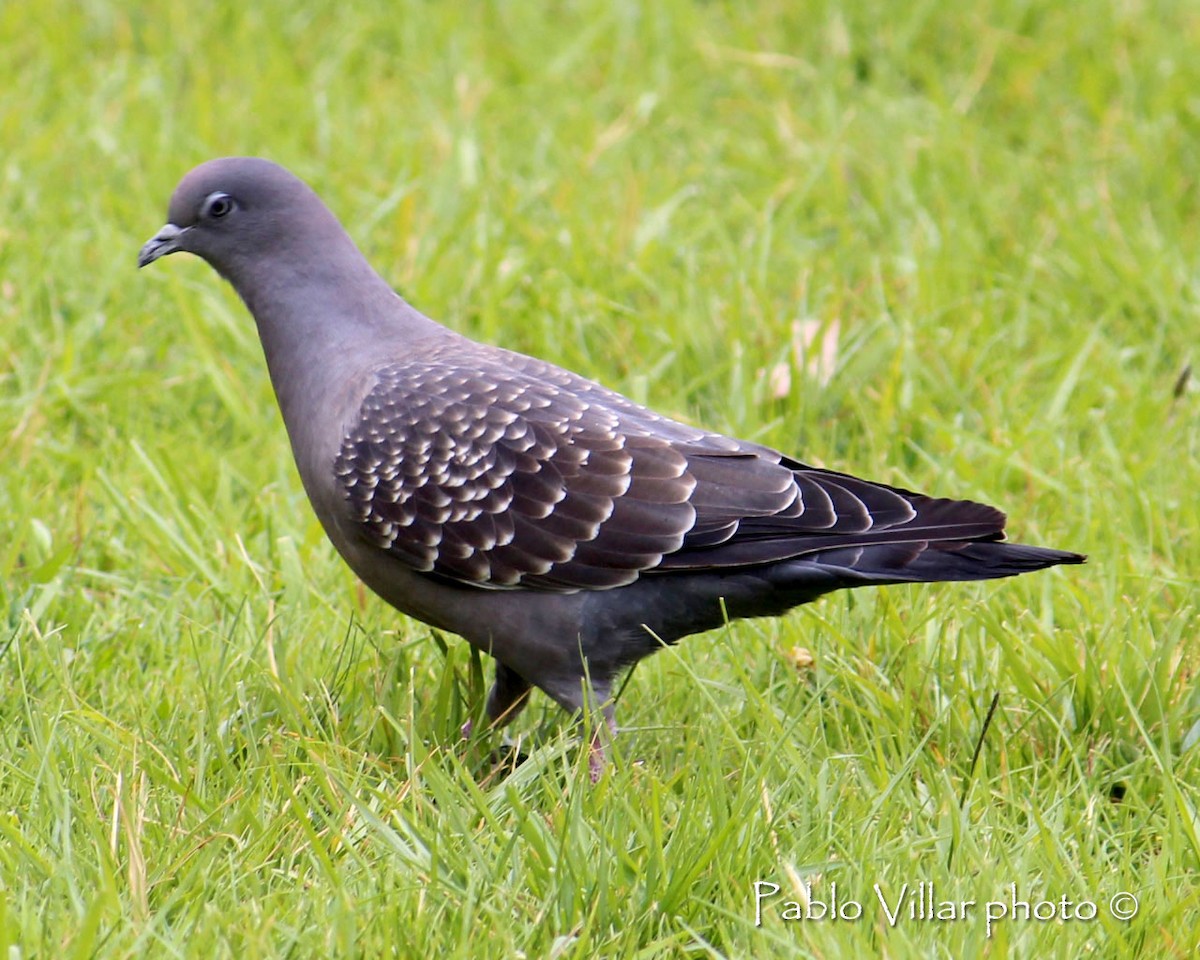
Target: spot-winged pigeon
x,y
556,525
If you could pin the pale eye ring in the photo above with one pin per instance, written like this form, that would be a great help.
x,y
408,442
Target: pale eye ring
x,y
217,205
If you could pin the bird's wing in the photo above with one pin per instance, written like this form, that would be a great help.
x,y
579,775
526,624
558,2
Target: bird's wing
x,y
833,518
828,513
476,472
486,471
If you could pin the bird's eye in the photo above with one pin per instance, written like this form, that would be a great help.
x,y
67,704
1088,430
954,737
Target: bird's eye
x,y
217,205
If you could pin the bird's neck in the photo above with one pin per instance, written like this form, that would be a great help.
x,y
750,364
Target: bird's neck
x,y
324,322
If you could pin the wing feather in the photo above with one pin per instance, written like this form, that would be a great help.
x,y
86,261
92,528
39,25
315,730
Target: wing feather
x,y
500,471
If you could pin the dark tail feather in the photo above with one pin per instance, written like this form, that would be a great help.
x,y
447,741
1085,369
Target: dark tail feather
x,y
954,560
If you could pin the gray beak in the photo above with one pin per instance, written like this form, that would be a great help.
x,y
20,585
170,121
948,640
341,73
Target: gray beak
x,y
164,242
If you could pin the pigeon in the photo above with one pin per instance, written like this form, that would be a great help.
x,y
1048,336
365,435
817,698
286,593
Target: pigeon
x,y
553,523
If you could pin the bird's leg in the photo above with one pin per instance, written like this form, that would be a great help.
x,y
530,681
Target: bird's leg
x,y
505,700
602,735
592,704
508,696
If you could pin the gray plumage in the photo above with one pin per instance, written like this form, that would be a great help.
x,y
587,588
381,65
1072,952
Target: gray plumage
x,y
551,522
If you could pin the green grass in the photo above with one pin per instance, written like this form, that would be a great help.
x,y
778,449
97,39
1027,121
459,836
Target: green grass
x,y
213,743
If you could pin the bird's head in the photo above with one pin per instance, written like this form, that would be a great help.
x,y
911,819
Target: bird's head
x,y
237,210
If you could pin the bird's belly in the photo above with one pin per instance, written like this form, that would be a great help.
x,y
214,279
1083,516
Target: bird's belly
x,y
536,634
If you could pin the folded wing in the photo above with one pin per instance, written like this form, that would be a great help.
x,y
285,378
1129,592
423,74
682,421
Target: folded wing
x,y
500,476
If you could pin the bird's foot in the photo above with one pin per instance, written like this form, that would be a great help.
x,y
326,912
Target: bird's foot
x,y
597,760
598,744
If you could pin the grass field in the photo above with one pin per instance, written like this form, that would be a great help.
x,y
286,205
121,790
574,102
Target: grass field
x,y
952,247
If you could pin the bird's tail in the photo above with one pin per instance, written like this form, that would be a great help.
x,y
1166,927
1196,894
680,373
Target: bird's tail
x,y
922,562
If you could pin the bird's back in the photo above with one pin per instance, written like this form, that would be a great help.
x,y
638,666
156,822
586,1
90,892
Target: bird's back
x,y
495,470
